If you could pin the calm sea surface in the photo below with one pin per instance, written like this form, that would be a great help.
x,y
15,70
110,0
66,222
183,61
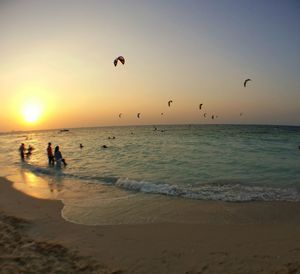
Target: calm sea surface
x,y
199,162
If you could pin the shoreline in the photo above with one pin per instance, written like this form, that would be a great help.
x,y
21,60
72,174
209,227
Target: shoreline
x,y
269,243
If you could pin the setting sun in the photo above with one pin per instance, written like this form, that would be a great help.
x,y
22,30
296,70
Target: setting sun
x,y
31,111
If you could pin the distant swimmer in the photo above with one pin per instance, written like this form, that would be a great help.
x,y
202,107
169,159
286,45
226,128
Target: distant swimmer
x,y
161,113
22,151
119,59
81,145
246,81
138,115
169,103
213,117
120,115
200,106
104,146
154,128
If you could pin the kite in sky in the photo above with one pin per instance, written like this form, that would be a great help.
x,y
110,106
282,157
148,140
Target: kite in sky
x,y
246,81
121,59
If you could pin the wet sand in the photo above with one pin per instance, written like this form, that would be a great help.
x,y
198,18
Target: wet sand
x,y
231,238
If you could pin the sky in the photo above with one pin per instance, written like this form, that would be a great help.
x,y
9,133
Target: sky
x,y
56,62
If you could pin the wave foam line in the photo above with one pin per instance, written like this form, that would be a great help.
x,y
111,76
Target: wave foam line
x,y
230,193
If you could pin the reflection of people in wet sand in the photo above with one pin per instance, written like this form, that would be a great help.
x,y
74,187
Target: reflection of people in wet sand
x,y
50,155
58,157
22,151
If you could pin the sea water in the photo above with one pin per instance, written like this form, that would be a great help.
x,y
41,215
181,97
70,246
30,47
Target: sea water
x,y
236,163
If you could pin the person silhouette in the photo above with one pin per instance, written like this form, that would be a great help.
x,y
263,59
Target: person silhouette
x,y
58,157
22,151
50,155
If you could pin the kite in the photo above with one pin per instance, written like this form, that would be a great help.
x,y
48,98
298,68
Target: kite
x,y
246,81
121,59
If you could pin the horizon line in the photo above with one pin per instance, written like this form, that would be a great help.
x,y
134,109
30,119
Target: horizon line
x,y
147,125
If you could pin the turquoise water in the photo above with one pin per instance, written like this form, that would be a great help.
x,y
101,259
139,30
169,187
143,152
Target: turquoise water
x,y
204,162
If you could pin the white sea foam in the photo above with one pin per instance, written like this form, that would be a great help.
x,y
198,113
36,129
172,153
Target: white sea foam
x,y
229,192
223,191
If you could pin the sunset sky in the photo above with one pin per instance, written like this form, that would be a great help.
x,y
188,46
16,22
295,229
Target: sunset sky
x,y
56,62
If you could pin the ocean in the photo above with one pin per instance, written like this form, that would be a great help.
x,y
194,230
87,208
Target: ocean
x,y
232,163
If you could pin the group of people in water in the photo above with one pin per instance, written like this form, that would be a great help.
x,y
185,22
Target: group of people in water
x,y
53,158
23,152
56,157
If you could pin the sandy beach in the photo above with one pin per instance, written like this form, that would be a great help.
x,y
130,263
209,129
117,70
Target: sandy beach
x,y
249,238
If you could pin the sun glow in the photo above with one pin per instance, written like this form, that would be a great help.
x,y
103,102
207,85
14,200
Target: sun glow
x,y
31,111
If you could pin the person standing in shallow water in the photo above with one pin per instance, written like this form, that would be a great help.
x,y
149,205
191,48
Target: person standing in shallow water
x,y
58,157
22,151
50,155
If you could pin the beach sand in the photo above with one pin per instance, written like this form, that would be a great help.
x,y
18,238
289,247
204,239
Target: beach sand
x,y
254,237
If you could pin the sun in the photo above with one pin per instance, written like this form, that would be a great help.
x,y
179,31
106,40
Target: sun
x,y
31,111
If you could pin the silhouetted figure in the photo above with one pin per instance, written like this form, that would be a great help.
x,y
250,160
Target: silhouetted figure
x,y
81,146
50,155
22,151
29,151
58,157
104,146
